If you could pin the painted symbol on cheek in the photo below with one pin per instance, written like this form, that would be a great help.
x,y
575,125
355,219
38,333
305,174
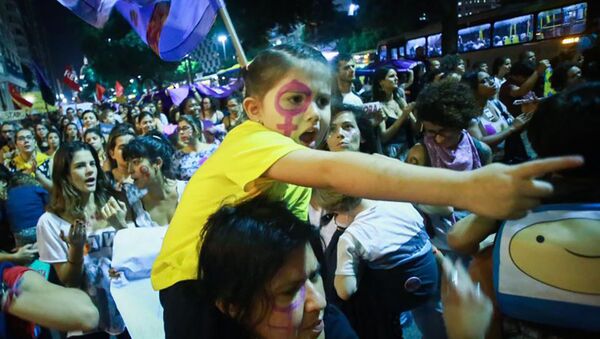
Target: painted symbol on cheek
x,y
288,114
145,170
282,318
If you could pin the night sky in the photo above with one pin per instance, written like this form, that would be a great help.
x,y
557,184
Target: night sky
x,y
63,38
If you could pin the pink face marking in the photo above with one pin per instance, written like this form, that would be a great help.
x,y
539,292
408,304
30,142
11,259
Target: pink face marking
x,y
288,114
145,170
283,315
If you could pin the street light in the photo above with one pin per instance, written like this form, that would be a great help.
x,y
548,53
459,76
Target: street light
x,y
222,39
352,9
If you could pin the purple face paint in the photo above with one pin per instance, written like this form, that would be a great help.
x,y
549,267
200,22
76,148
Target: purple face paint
x,y
282,318
288,114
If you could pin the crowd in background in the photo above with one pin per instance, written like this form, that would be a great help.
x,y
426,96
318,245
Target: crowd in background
x,y
71,180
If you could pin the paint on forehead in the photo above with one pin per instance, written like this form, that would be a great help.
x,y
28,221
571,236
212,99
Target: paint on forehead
x,y
288,114
283,316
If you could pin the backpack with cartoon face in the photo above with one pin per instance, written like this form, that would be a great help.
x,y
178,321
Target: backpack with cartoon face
x,y
547,266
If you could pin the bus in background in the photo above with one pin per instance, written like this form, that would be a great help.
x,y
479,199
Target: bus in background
x,y
547,28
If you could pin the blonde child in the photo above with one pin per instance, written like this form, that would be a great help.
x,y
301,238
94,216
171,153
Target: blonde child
x,y
288,91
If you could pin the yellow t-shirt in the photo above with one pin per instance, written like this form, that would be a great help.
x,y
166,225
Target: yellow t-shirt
x,y
21,165
233,173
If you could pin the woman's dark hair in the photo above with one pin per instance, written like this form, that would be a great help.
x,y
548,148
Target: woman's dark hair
x,y
370,134
522,68
65,137
560,75
448,104
55,131
88,112
65,198
471,79
151,146
270,65
449,63
565,124
142,115
380,74
94,130
118,131
184,103
243,247
498,63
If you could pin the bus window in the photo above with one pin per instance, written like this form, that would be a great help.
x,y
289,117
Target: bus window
x,y
434,45
394,53
561,21
474,38
383,53
513,31
412,45
401,51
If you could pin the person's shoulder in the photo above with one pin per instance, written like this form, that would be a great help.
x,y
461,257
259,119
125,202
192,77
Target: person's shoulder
x,y
49,219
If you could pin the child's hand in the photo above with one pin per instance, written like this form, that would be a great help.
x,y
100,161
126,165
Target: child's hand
x,y
25,255
467,311
507,192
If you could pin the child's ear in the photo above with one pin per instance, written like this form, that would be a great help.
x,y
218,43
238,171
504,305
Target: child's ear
x,y
252,108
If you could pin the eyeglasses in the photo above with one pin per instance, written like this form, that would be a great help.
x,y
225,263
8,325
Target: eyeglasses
x,y
9,131
444,132
185,129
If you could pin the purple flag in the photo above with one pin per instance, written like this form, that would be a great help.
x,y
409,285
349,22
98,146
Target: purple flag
x,y
220,92
179,94
172,28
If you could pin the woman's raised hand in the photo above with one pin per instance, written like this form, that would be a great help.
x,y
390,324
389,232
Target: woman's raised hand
x,y
115,212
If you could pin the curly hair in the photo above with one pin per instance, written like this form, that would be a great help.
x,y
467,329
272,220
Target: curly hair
x,y
449,63
448,104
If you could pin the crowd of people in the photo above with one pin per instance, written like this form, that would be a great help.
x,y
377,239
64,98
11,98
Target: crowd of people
x,y
314,206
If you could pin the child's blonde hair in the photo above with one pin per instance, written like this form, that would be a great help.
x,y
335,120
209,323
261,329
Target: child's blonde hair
x,y
270,65
332,201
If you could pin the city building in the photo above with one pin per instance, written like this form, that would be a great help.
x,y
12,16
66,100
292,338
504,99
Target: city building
x,y
470,7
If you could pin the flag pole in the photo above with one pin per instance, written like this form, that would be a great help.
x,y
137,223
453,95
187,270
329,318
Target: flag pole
x,y
239,51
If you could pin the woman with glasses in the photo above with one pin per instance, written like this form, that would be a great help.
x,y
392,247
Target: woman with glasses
x,y
29,159
194,151
495,124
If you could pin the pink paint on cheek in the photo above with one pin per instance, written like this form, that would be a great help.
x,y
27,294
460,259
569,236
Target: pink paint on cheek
x,y
288,114
282,318
145,170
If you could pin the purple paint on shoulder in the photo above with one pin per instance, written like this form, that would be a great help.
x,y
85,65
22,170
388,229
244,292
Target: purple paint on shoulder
x,y
288,114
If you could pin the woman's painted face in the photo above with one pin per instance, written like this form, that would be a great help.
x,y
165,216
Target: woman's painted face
x,y
41,131
185,132
95,141
89,120
192,107
487,86
53,140
390,82
344,134
83,172
297,300
297,106
142,171
447,138
117,152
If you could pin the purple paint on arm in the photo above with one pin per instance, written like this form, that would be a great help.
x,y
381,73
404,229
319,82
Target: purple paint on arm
x,y
288,114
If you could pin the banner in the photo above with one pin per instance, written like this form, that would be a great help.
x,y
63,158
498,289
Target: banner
x,y
70,78
118,89
17,99
13,115
171,28
100,92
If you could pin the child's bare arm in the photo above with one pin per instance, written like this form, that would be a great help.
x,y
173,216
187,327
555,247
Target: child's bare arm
x,y
467,233
497,191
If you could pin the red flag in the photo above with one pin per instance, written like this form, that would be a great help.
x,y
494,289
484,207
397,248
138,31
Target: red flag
x,y
70,78
17,98
100,92
118,89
